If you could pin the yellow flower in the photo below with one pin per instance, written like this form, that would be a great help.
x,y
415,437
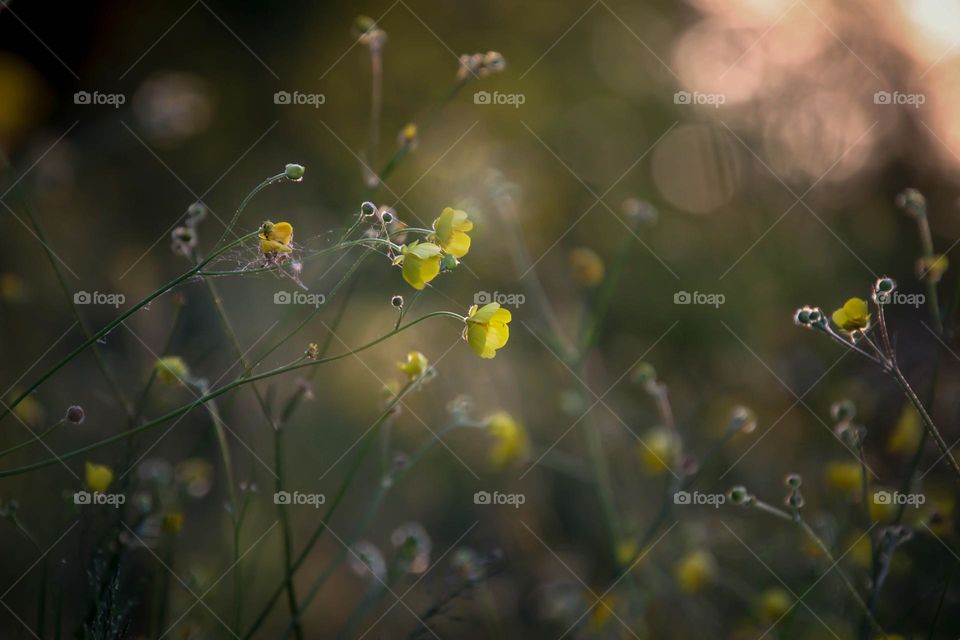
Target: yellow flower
x,y
421,263
510,439
172,521
773,603
845,476
932,269
98,477
276,237
587,267
853,315
695,571
171,369
881,510
906,436
450,232
657,451
487,329
602,611
415,366
29,410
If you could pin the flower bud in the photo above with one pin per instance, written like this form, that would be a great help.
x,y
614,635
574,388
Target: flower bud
x,y
642,212
739,494
75,414
397,301
295,172
913,202
793,480
196,214
449,262
843,411
312,352
644,373
742,420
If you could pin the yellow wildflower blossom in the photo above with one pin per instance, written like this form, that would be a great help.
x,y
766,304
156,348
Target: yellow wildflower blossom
x,y
276,237
588,268
853,315
172,521
601,612
695,571
510,439
845,476
906,436
450,232
415,366
487,329
171,369
98,477
932,268
421,263
657,451
773,603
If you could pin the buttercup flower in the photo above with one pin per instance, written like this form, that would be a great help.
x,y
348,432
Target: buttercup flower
x,y
450,232
172,521
421,263
853,315
587,266
845,476
98,477
510,439
695,571
906,436
415,366
276,237
774,603
487,329
658,450
171,369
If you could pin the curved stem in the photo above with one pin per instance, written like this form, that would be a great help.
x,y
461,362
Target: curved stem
x,y
298,364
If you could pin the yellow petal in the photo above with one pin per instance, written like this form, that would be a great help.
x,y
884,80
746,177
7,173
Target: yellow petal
x,y
98,477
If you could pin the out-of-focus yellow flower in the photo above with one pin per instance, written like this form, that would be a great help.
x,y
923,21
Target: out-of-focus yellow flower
x,y
853,315
695,571
421,263
275,237
601,612
906,436
510,441
172,369
13,289
860,553
450,232
845,476
172,521
932,269
626,552
773,603
98,477
487,329
587,266
657,450
415,366
25,97
882,510
29,410
408,135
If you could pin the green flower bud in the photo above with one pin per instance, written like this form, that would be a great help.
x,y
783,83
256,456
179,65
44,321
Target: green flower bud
x,y
295,172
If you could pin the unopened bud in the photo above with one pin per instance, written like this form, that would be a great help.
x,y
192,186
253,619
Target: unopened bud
x,y
295,172
75,414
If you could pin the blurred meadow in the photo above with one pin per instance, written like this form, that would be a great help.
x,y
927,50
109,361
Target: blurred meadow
x,y
711,244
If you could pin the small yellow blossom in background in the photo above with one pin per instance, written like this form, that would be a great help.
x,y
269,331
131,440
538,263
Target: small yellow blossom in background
x,y
13,289
421,263
695,571
510,439
172,521
844,476
276,237
932,269
658,451
906,436
98,477
601,613
587,266
487,329
853,315
172,369
29,410
415,366
773,603
881,510
408,135
450,232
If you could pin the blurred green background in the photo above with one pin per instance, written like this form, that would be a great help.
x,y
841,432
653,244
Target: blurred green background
x,y
782,195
